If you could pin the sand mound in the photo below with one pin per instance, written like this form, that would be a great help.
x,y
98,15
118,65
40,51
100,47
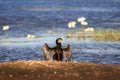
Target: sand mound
x,y
53,70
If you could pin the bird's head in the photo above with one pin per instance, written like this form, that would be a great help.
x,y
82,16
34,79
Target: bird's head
x,y
59,40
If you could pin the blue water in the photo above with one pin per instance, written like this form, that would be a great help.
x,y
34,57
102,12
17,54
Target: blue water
x,y
38,16
57,13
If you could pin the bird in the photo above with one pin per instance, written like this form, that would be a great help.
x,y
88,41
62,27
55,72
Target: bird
x,y
57,53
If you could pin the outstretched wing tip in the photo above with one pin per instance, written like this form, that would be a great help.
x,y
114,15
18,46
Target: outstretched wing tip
x,y
68,52
47,51
69,47
44,44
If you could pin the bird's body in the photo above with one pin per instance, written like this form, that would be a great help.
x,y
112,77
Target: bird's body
x,y
57,52
58,56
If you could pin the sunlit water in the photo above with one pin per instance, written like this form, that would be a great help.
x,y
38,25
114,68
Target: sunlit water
x,y
38,16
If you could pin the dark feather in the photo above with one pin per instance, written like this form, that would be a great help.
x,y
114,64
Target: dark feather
x,y
58,54
68,52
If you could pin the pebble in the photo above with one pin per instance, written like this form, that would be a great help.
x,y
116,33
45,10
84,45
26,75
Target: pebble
x,y
25,75
3,72
10,75
55,72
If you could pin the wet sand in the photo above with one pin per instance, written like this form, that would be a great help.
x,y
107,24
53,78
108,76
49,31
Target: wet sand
x,y
53,70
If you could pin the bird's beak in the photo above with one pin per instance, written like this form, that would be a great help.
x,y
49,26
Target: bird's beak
x,y
60,41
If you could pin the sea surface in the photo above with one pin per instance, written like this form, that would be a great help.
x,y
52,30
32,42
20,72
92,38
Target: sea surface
x,y
40,17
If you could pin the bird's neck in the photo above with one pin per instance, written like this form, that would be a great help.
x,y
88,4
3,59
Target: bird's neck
x,y
58,44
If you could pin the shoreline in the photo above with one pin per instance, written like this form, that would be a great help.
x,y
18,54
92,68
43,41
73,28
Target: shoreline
x,y
54,70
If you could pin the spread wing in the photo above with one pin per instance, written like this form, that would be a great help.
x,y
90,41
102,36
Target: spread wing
x,y
48,52
68,52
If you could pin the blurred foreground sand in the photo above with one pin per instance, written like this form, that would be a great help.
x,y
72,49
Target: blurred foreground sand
x,y
53,70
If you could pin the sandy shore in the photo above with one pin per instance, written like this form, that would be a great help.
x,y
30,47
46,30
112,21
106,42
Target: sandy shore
x,y
53,70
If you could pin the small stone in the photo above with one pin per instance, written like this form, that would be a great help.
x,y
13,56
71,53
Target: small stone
x,y
26,75
10,75
3,72
38,75
81,77
55,72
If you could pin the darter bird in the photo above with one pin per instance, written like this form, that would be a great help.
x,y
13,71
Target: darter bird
x,y
57,52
